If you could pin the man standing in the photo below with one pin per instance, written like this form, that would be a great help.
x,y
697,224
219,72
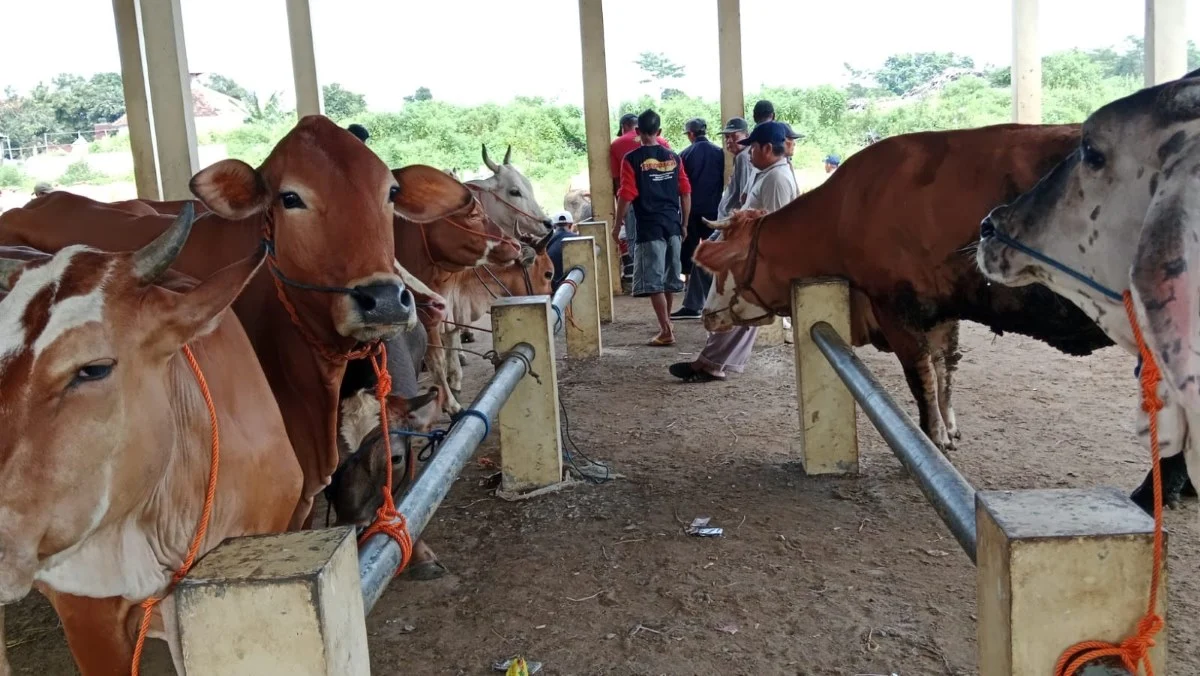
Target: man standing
x,y
764,111
704,164
832,162
774,186
564,227
655,184
626,141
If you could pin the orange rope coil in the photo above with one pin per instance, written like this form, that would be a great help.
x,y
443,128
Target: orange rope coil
x,y
1134,651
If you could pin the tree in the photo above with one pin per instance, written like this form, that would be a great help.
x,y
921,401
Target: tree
x,y
25,119
227,86
270,113
79,103
901,73
658,67
341,103
422,94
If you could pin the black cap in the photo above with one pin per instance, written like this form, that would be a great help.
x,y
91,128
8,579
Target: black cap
x,y
696,125
791,133
628,118
763,110
768,132
734,125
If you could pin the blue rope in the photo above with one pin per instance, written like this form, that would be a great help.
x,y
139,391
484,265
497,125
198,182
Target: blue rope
x,y
435,435
558,321
472,413
1009,241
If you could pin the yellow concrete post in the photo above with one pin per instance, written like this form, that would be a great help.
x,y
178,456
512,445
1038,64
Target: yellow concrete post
x,y
729,46
170,96
583,329
304,59
137,99
1026,72
829,433
276,604
530,437
1166,49
1057,567
599,231
596,121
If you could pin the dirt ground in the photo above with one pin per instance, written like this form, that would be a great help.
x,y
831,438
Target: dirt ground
x,y
848,576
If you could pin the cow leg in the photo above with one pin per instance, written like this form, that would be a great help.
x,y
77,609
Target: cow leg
x,y
944,347
1174,439
913,352
97,632
424,564
435,359
454,365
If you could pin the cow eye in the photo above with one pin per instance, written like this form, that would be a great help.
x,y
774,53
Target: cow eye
x,y
291,200
1092,157
393,193
549,275
515,192
92,372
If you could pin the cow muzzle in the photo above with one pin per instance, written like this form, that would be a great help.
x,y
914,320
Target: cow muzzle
x,y
377,308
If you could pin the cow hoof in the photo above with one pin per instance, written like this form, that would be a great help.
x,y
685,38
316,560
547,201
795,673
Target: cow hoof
x,y
426,571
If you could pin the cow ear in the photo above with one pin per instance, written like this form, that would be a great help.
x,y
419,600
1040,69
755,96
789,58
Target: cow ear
x,y
1179,101
232,189
718,256
180,318
1164,281
427,194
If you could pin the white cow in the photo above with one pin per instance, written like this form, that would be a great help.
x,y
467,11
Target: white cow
x,y
1127,200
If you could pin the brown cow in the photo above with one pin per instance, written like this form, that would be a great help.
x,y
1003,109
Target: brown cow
x,y
898,220
329,202
106,449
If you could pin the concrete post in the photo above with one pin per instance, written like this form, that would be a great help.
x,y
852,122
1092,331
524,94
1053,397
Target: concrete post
x,y
137,99
288,603
1026,63
530,436
1166,41
583,332
1056,567
829,433
304,59
729,46
599,231
596,122
170,96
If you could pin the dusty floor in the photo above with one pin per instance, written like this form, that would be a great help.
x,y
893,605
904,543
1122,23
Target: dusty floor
x,y
814,576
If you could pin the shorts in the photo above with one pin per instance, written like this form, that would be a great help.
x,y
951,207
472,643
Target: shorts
x,y
656,267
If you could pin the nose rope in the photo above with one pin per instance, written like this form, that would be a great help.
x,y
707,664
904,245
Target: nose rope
x,y
989,230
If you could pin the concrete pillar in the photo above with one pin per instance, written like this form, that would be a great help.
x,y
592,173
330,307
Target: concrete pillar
x,y
1026,63
288,603
583,332
170,96
126,14
304,59
596,122
599,231
729,45
530,436
829,433
1166,41
1057,567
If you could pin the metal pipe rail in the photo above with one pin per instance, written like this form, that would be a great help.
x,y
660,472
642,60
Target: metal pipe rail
x,y
379,556
564,295
940,481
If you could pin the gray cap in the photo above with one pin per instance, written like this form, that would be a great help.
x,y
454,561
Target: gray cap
x,y
696,125
42,187
734,125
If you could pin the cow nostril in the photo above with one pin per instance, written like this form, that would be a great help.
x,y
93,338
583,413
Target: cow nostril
x,y
986,228
366,301
406,300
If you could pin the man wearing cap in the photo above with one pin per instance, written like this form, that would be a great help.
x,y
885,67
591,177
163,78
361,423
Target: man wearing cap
x,y
832,162
625,142
704,164
42,188
773,187
564,227
655,184
359,131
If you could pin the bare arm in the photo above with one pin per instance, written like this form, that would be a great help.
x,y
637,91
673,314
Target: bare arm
x,y
686,202
622,208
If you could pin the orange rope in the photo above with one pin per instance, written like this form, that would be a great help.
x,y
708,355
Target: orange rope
x,y
205,515
1134,651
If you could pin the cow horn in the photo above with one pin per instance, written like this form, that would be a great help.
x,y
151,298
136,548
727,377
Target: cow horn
x,y
8,268
152,260
717,224
508,154
542,243
488,161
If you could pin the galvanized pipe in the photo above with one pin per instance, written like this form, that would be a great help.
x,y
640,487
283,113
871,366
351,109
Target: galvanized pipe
x,y
379,556
942,484
564,295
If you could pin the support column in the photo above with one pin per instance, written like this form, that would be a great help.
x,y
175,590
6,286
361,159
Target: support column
x,y
1166,41
288,603
583,331
828,424
596,122
1057,567
729,45
304,59
137,99
1026,63
170,96
530,436
599,231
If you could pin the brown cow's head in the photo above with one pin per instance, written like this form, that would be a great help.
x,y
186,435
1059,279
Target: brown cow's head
x,y
465,237
329,200
91,377
727,260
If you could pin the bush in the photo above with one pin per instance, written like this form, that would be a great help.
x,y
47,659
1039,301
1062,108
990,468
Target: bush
x,y
11,176
80,172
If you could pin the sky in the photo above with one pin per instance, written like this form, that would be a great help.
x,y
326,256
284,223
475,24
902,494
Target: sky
x,y
472,51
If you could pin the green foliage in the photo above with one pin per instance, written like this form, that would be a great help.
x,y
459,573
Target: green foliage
x,y
658,67
341,103
80,172
226,86
11,176
422,94
901,73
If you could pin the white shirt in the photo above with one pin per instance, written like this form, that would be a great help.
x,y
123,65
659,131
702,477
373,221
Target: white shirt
x,y
772,187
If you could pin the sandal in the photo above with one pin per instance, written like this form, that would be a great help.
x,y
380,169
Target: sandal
x,y
658,341
688,373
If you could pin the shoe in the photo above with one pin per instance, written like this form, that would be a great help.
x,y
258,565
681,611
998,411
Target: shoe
x,y
684,313
688,373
